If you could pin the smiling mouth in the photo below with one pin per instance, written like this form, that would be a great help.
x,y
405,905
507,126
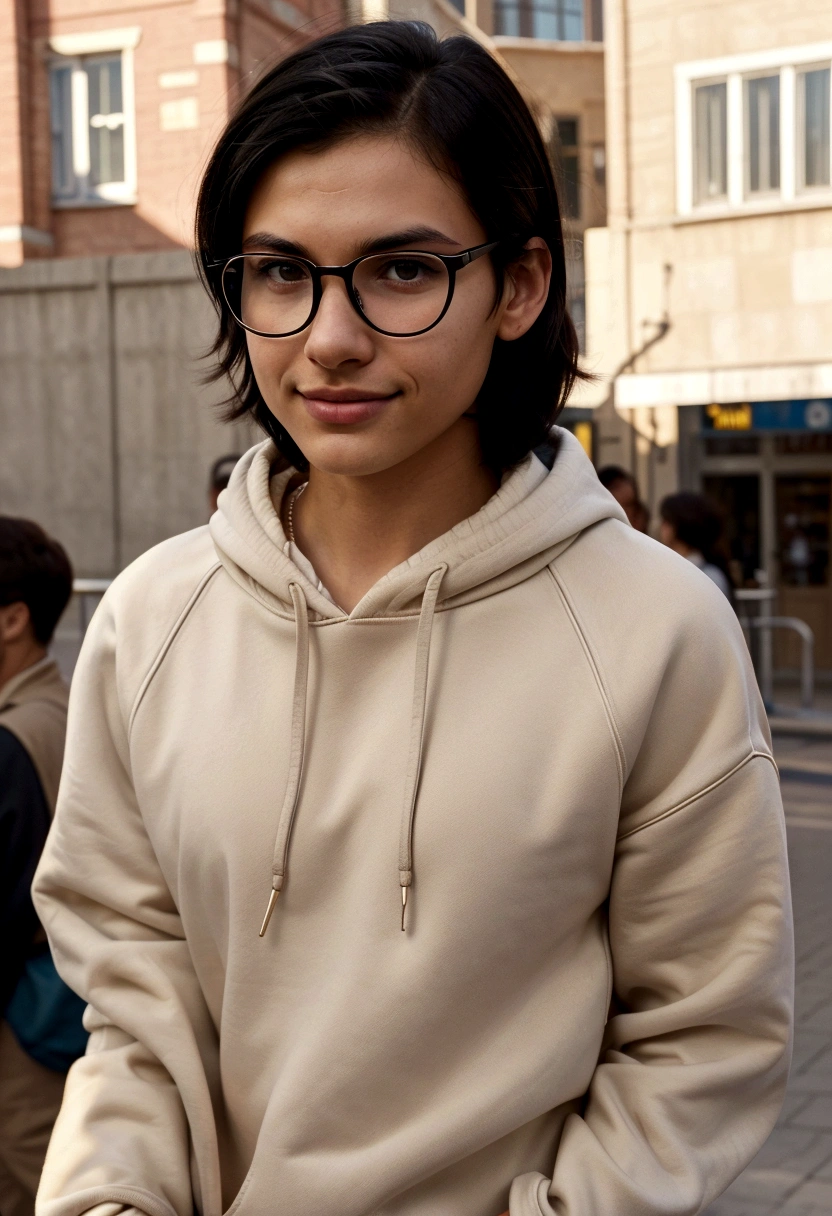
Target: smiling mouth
x,y
343,407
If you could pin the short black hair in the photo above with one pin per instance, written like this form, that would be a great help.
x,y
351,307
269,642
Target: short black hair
x,y
221,471
613,473
458,106
696,520
35,571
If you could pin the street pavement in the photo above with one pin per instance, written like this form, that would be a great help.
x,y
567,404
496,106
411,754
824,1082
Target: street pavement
x,y
792,1174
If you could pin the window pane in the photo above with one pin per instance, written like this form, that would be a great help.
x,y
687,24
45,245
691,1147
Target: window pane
x,y
567,132
816,128
566,156
106,120
60,88
711,141
560,20
764,133
576,288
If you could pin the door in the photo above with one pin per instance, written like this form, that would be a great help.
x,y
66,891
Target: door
x,y
802,512
739,497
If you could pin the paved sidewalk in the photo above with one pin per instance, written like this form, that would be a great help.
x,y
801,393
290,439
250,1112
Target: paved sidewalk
x,y
792,1175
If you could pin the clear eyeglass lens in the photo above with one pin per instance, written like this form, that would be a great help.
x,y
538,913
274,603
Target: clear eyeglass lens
x,y
269,293
402,293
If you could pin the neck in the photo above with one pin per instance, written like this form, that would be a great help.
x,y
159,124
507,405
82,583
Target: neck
x,y
15,658
354,529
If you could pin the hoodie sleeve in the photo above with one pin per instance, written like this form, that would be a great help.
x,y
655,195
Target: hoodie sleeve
x,y
694,1063
123,1136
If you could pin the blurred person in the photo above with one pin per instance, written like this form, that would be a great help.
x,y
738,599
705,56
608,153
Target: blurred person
x,y
639,517
693,526
407,869
624,489
221,471
41,1032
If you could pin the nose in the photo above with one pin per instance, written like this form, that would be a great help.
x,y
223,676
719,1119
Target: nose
x,y
337,335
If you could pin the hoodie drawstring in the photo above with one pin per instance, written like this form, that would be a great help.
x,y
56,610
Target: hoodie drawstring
x,y
414,758
417,731
298,735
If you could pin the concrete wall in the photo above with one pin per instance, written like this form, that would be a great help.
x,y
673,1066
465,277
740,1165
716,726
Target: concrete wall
x,y
107,433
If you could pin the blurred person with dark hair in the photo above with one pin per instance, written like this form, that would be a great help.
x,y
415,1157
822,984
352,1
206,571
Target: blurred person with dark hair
x,y
624,489
221,471
40,1030
693,525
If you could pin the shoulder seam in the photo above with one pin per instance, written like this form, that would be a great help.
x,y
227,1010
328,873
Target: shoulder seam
x,y
618,745
165,646
755,754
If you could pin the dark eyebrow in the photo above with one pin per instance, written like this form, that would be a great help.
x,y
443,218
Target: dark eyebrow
x,y
408,237
274,244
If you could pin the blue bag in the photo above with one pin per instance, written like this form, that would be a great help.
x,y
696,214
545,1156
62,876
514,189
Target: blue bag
x,y
45,1015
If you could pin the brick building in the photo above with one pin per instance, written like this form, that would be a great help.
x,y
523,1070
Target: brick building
x,y
110,107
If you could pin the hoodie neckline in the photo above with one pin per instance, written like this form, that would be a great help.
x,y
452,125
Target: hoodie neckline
x,y
534,515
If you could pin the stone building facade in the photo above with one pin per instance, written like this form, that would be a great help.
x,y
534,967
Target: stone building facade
x,y
710,287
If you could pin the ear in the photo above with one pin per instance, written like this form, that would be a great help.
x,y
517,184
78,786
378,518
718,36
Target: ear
x,y
15,619
527,288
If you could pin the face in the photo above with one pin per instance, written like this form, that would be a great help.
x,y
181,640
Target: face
x,y
358,402
667,534
15,626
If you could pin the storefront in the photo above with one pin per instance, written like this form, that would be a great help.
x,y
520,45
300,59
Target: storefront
x,y
769,464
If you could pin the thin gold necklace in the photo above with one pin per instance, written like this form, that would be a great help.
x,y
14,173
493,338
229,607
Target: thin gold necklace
x,y
290,511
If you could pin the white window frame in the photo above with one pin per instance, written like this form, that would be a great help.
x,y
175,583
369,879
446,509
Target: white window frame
x,y
69,50
735,70
800,103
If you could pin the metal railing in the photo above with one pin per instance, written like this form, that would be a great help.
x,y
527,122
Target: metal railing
x,y
755,607
765,672
88,592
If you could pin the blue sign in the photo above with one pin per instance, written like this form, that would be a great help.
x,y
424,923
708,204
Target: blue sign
x,y
804,415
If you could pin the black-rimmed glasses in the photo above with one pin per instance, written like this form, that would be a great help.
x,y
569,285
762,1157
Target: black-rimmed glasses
x,y
400,294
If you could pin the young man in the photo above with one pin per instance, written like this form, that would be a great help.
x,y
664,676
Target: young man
x,y
420,849
35,585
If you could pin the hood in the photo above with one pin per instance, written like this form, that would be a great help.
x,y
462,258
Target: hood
x,y
532,518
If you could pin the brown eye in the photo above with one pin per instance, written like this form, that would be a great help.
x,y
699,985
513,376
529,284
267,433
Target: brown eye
x,y
406,271
285,272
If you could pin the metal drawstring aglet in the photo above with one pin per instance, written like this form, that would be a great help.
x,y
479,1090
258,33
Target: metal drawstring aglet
x,y
269,910
404,905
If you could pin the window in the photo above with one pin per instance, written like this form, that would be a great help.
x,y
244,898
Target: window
x,y
754,128
93,145
711,142
567,165
599,165
576,288
559,20
763,134
814,97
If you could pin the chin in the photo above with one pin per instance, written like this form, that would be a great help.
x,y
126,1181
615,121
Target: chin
x,y
352,455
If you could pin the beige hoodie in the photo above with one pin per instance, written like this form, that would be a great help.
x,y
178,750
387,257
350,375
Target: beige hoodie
x,y
543,729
